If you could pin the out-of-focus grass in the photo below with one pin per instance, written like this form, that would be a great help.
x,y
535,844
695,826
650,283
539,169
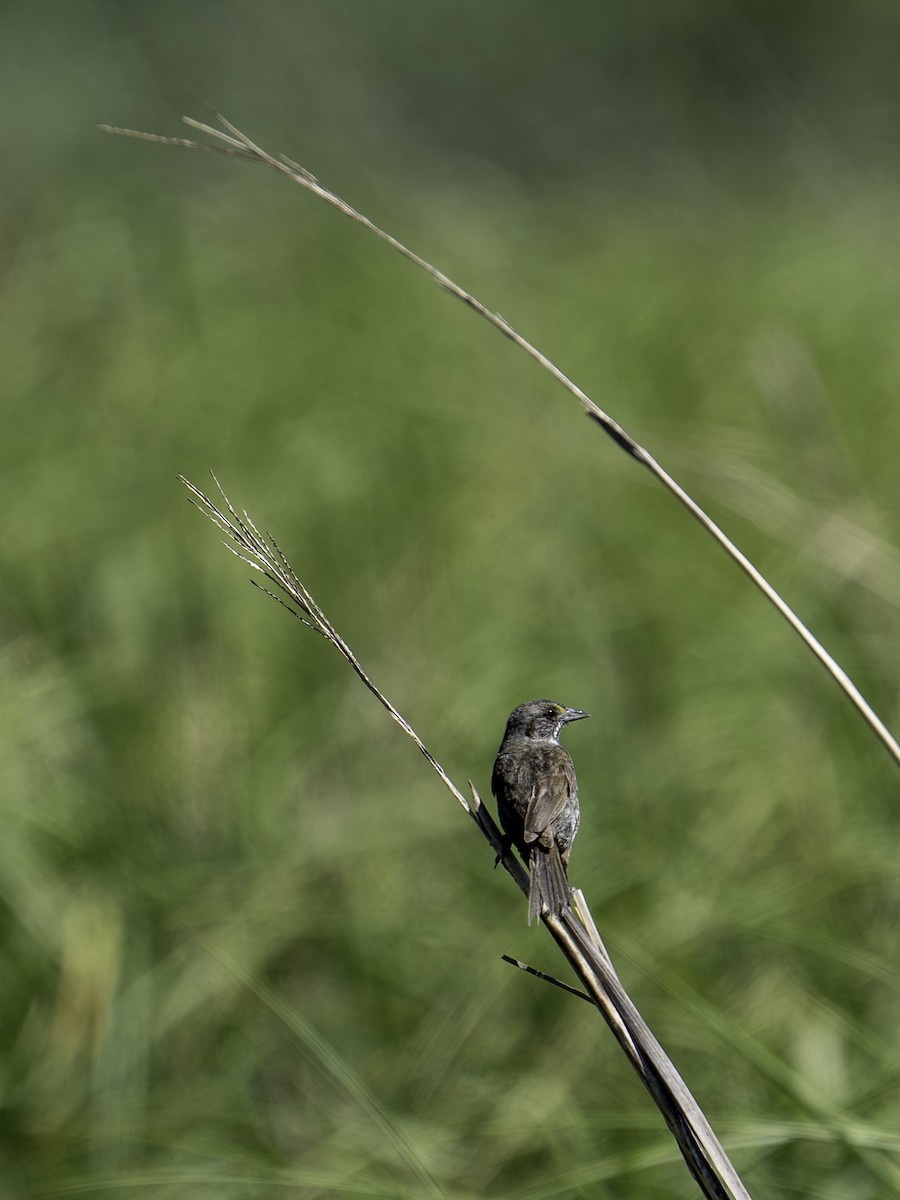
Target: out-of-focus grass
x,y
250,948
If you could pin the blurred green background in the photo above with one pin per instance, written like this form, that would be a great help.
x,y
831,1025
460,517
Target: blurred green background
x,y
250,947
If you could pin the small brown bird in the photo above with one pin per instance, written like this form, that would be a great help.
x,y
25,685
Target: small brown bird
x,y
537,798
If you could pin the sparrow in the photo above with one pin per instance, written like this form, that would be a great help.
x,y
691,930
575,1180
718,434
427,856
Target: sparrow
x,y
537,799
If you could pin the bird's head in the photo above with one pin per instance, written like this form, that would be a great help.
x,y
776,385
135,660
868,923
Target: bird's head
x,y
541,719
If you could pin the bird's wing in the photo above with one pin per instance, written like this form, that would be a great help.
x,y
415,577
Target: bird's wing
x,y
554,784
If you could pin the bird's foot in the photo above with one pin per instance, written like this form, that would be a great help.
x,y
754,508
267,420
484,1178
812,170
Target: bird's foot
x,y
507,846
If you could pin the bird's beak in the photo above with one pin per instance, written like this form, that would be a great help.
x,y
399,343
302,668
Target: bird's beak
x,y
574,714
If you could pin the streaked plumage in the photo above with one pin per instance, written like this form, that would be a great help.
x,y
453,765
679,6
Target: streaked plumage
x,y
537,798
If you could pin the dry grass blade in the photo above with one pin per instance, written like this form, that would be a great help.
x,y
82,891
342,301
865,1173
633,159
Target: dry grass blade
x,y
251,548
702,1151
188,143
558,983
237,144
264,555
580,942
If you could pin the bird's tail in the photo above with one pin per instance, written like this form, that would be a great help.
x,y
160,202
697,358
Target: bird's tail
x,y
549,884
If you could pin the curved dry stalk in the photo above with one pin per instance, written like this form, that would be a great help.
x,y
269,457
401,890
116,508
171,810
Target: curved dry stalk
x,y
580,942
235,144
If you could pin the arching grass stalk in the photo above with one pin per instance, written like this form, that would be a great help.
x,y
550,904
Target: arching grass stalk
x,y
232,142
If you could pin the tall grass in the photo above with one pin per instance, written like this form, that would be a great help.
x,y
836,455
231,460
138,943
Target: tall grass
x,y
230,965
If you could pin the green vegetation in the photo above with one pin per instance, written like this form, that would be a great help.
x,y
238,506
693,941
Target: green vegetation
x,y
250,947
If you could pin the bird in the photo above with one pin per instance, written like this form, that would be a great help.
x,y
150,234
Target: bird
x,y
537,798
